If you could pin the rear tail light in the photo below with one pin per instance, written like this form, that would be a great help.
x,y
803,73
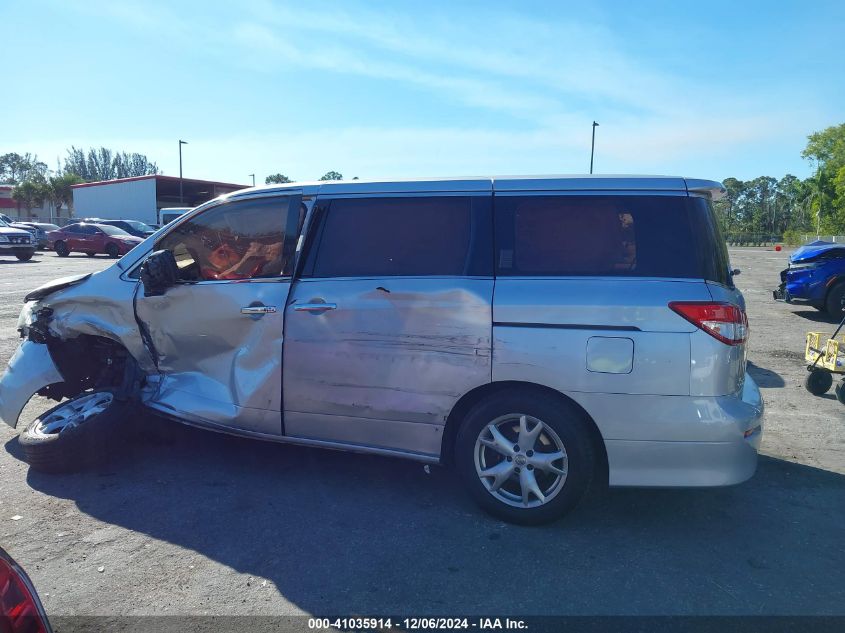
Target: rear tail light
x,y
20,609
723,321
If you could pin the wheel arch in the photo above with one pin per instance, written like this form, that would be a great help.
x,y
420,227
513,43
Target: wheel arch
x,y
833,282
473,397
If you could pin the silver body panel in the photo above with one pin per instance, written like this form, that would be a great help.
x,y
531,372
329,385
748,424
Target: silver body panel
x,y
383,368
396,351
216,362
30,369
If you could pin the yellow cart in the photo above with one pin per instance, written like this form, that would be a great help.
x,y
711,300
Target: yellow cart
x,y
825,357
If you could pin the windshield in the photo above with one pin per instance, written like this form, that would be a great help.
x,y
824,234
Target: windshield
x,y
139,226
3,222
112,230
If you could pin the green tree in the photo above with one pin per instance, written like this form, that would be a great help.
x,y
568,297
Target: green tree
x,y
106,164
276,179
826,149
30,193
332,175
17,168
60,192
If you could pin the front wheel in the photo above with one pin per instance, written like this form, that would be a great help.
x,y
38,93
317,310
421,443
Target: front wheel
x,y
62,249
24,257
75,434
525,457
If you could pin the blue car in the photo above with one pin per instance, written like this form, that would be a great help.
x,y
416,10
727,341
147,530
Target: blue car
x,y
816,277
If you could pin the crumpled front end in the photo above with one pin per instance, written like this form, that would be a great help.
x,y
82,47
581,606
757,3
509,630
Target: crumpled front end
x,y
30,370
79,334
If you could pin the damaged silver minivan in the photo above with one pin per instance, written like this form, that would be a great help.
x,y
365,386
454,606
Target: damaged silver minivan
x,y
537,333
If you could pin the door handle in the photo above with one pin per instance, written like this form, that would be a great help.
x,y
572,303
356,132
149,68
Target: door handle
x,y
315,307
258,309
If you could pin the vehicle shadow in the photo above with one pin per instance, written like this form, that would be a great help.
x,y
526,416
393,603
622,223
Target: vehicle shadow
x,y
338,533
19,262
765,378
816,315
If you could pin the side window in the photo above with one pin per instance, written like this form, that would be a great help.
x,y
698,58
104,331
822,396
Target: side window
x,y
419,236
87,230
245,239
635,236
73,228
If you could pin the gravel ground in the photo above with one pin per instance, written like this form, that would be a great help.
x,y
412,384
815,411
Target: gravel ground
x,y
207,524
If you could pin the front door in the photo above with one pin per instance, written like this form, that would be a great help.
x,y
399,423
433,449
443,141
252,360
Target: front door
x,y
390,322
217,334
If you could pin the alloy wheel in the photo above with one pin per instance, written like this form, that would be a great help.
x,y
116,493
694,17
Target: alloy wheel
x,y
520,460
73,413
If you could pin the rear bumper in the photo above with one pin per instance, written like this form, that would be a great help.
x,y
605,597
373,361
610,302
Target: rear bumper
x,y
678,441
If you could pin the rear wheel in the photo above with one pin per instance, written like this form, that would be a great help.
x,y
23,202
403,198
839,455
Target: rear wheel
x,y
833,304
24,257
525,457
111,251
90,253
818,381
76,433
62,249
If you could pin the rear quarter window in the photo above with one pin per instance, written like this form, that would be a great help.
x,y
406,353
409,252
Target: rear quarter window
x,y
629,236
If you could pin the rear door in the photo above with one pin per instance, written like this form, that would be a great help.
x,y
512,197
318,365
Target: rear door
x,y
583,290
73,236
217,334
390,322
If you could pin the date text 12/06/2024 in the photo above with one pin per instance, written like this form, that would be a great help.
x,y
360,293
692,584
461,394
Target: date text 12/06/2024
x,y
413,624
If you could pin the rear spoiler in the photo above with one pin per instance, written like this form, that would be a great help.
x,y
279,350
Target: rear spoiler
x,y
715,190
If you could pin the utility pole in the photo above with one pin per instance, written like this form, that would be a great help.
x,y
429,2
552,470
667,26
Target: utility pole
x,y
253,179
593,147
181,197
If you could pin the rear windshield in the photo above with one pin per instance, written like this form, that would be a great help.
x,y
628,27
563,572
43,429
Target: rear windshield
x,y
614,235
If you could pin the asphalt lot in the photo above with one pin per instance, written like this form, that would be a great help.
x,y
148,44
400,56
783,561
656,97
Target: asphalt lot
x,y
208,524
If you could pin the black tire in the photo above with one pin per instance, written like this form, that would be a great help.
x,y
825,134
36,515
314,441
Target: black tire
x,y
61,249
24,257
568,424
833,303
818,382
90,253
840,392
74,448
111,251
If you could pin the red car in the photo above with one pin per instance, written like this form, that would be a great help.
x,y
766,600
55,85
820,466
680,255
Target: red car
x,y
84,237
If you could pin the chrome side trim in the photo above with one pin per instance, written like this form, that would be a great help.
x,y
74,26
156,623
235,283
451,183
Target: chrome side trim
x,y
570,326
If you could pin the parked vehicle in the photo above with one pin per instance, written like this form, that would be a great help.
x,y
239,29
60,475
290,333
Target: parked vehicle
x,y
816,277
16,241
5,218
168,214
21,610
613,347
91,239
38,230
133,227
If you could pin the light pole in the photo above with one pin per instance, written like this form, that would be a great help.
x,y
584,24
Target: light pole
x,y
593,147
181,198
253,179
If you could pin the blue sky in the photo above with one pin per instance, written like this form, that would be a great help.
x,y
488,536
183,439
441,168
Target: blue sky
x,y
406,89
